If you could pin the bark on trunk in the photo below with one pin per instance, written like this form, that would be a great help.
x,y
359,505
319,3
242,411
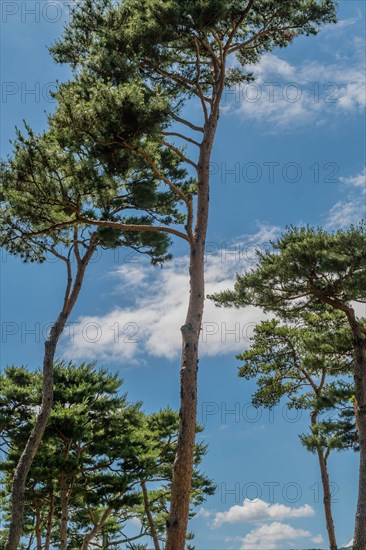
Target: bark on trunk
x,y
327,496
38,528
34,440
49,522
64,524
150,519
359,343
183,465
327,501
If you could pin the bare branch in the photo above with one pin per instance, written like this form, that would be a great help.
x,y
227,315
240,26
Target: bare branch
x,y
187,123
137,227
194,142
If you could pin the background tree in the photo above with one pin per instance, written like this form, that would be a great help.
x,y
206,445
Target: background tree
x,y
101,463
301,360
41,186
166,53
306,267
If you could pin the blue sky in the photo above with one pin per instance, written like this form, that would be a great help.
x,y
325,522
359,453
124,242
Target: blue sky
x,y
290,150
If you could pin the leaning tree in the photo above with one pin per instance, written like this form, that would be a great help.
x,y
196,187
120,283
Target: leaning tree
x,y
167,53
41,185
307,267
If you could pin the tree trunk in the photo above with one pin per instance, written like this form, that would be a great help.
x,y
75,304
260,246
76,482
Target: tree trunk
x,y
150,519
34,440
327,496
359,343
183,465
327,500
64,524
38,529
49,522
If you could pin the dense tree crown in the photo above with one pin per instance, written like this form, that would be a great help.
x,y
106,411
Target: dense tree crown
x,y
102,461
305,266
309,269
137,65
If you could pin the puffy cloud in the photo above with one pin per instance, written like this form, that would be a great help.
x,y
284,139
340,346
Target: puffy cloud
x,y
204,513
267,536
287,94
151,326
259,510
359,180
353,209
343,214
318,539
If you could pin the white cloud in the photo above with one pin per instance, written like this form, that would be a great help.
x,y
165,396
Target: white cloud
x,y
359,180
318,539
303,94
259,510
342,23
353,209
343,214
203,513
267,536
152,324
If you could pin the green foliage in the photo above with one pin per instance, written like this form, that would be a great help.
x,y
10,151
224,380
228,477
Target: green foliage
x,y
164,34
336,430
287,357
308,361
306,266
99,444
47,190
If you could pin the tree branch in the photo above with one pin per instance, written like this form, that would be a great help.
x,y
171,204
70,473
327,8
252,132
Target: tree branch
x,y
187,123
194,142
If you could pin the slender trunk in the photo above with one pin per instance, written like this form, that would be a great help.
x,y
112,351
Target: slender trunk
x,y
34,440
183,465
150,519
359,343
38,528
64,524
327,500
30,542
49,522
35,437
327,495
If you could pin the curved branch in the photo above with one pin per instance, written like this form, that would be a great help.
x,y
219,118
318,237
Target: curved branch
x,y
141,227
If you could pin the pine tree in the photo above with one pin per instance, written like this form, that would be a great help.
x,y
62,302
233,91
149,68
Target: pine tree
x,y
302,360
309,267
102,461
41,186
156,55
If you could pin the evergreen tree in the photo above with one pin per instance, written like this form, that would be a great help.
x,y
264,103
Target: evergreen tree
x,y
301,360
309,267
148,58
41,186
102,461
